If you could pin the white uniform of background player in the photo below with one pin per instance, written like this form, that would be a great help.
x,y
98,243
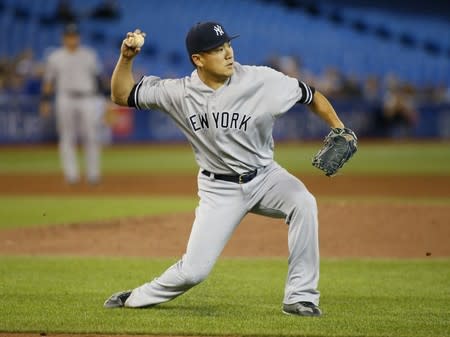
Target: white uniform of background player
x,y
72,73
227,111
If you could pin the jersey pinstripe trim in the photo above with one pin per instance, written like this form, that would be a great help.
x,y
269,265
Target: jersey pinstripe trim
x,y
133,98
307,93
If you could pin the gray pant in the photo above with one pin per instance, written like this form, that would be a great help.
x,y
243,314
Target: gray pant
x,y
274,192
78,116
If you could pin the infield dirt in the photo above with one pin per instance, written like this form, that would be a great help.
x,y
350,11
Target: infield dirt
x,y
371,228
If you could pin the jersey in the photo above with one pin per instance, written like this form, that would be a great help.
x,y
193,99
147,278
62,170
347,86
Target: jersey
x,y
74,76
230,129
73,72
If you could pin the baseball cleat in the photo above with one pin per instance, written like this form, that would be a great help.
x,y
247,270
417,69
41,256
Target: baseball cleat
x,y
117,300
302,309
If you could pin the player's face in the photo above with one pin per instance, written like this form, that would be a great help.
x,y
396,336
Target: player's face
x,y
71,41
218,62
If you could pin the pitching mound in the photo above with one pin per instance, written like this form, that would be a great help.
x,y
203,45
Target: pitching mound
x,y
358,229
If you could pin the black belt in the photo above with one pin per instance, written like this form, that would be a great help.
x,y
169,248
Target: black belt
x,y
238,179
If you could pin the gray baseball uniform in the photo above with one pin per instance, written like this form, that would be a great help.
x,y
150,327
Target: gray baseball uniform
x,y
74,75
230,130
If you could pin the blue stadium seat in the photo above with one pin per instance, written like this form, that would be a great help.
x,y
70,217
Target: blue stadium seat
x,y
265,29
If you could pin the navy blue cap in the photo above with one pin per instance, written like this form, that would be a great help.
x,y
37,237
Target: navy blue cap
x,y
71,29
205,36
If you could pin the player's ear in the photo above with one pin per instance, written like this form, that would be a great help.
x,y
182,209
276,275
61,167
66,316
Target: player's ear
x,y
197,60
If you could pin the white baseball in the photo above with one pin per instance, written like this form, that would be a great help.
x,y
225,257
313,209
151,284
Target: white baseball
x,y
135,39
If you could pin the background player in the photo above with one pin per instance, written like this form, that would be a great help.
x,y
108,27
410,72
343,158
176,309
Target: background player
x,y
72,74
227,112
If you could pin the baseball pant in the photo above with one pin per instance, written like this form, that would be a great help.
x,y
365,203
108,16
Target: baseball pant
x,y
273,192
78,116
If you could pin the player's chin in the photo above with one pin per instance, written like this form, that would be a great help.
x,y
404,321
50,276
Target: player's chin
x,y
228,71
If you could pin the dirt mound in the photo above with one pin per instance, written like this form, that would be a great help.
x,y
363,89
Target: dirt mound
x,y
358,229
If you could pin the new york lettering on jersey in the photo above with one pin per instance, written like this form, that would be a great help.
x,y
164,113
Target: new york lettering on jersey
x,y
223,120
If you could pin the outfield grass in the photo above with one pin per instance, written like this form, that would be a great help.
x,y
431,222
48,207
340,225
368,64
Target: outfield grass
x,y
20,211
241,297
372,158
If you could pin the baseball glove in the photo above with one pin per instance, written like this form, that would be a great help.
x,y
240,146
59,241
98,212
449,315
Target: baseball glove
x,y
340,145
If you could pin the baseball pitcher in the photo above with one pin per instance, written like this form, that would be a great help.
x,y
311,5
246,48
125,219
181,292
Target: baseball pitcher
x,y
227,112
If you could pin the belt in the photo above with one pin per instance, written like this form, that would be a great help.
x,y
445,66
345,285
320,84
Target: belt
x,y
238,179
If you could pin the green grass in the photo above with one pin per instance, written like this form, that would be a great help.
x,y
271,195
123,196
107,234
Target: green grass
x,y
44,210
241,297
372,158
32,211
413,201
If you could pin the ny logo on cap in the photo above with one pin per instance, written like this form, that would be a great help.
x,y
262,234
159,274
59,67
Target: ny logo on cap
x,y
218,30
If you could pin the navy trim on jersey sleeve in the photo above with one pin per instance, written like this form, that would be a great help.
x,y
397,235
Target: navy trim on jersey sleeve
x,y
133,98
307,93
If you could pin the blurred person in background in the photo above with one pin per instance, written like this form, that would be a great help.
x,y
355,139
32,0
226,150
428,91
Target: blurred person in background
x,y
330,82
30,72
400,115
396,114
371,89
72,74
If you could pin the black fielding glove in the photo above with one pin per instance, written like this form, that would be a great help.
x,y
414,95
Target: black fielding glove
x,y
339,147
